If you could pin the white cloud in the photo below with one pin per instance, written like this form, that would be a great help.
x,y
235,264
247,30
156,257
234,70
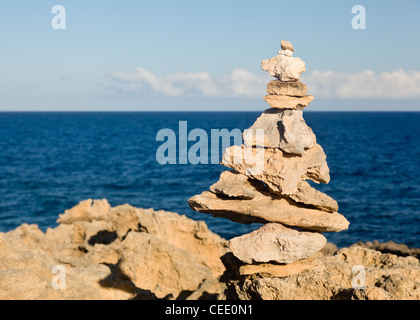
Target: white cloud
x,y
172,85
397,84
242,83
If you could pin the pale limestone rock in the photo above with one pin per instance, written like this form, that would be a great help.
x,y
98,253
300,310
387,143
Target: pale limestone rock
x,y
61,242
329,249
387,277
86,211
371,258
398,249
294,89
275,243
233,185
178,231
208,290
306,194
400,286
27,256
26,274
104,254
266,207
310,196
284,68
286,45
90,250
287,102
181,232
272,270
281,172
79,232
304,286
287,53
284,129
368,293
124,219
153,264
399,276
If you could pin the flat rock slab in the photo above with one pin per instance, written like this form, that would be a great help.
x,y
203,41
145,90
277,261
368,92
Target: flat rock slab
x,y
276,243
287,102
234,185
310,196
272,270
284,129
281,172
238,186
266,208
294,89
284,68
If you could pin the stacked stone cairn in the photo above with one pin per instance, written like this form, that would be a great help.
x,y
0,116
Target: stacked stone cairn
x,y
273,190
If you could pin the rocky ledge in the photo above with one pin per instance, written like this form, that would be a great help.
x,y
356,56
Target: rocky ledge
x,y
125,252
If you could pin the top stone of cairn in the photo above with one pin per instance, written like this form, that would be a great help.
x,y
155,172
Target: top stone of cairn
x,y
286,45
284,67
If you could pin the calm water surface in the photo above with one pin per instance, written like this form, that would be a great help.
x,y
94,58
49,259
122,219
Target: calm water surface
x,y
51,161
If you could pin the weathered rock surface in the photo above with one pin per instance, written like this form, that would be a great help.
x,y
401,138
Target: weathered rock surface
x,y
387,277
310,196
284,68
329,249
287,53
281,172
107,253
272,270
234,185
238,186
284,129
391,247
94,256
265,208
286,45
294,89
155,265
87,210
287,102
26,272
275,243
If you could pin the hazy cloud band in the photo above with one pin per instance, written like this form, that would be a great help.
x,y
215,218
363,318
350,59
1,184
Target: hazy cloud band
x,y
396,84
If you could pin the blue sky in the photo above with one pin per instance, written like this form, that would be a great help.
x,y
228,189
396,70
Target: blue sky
x,y
165,55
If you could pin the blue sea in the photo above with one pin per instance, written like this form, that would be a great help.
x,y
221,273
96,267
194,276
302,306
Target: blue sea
x,y
51,161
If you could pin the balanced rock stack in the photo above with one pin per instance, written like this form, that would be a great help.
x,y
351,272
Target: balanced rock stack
x,y
273,189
